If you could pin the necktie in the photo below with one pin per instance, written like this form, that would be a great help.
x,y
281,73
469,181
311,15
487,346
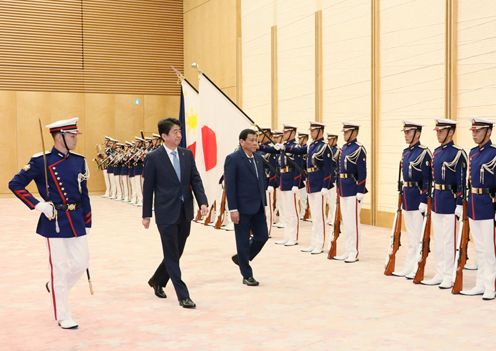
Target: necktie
x,y
175,164
252,161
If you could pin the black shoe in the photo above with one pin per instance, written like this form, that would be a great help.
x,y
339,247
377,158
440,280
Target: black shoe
x,y
250,281
187,303
235,260
159,291
47,287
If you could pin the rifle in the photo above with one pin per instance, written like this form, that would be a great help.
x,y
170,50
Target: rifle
x,y
337,227
198,216
461,251
395,241
208,219
222,211
307,214
426,239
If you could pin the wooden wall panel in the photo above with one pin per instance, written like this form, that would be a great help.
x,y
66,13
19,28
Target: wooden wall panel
x,y
476,68
412,83
30,107
109,46
158,107
128,116
188,5
256,66
8,137
210,40
99,112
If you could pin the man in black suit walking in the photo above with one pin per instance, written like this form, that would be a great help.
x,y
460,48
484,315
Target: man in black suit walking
x,y
245,179
170,174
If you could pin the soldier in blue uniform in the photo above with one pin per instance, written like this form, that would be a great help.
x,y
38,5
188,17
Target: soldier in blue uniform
x,y
288,185
416,173
352,173
101,156
449,169
65,212
274,181
330,179
138,171
301,160
481,207
270,169
110,152
317,162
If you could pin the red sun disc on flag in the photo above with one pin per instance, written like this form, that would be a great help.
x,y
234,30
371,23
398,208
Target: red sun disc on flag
x,y
209,142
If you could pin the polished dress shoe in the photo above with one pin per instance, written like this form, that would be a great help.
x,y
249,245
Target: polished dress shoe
x,y
235,259
446,284
187,303
489,295
68,324
250,281
159,291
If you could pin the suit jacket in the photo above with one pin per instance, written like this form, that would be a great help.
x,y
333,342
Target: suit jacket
x,y
245,192
160,180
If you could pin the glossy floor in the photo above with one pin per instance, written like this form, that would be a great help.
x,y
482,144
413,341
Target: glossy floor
x,y
304,302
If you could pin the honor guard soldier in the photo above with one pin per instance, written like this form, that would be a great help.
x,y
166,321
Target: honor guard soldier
x,y
316,159
352,173
110,152
269,155
301,161
481,207
288,185
138,170
60,176
449,170
278,214
103,164
330,179
416,173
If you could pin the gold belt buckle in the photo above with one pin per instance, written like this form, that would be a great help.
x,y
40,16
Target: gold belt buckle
x,y
71,207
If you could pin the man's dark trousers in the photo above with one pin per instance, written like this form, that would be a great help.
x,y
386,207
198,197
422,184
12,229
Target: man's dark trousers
x,y
173,238
248,247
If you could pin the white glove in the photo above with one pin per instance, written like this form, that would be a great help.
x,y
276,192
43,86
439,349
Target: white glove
x,y
294,189
46,208
279,147
359,196
459,211
324,191
422,207
88,230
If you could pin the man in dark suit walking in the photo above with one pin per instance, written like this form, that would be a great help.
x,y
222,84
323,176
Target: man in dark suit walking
x,y
170,174
244,179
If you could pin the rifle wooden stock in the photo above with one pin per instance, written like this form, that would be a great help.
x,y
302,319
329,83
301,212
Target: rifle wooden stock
x,y
208,219
396,239
307,214
426,239
222,211
337,228
198,216
462,252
